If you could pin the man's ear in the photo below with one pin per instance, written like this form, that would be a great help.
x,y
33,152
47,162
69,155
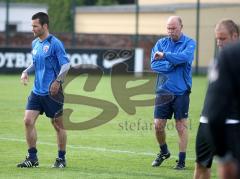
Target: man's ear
x,y
235,36
45,26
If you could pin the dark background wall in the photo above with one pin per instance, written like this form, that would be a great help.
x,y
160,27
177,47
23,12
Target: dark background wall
x,y
90,41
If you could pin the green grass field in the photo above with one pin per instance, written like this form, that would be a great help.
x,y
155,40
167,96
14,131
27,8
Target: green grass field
x,y
121,148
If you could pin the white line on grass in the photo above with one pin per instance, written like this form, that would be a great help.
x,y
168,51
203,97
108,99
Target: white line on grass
x,y
90,148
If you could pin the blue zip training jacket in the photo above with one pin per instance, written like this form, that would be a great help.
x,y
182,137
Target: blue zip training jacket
x,y
175,66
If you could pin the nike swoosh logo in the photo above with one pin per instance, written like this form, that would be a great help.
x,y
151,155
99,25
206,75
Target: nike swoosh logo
x,y
110,63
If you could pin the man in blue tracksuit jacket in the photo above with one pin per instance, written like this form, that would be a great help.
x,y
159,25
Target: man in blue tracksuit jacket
x,y
172,59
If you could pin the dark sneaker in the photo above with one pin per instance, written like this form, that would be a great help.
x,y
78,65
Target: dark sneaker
x,y
28,163
59,163
180,165
160,158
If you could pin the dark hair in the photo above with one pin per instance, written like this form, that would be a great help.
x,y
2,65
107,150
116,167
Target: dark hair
x,y
231,26
43,18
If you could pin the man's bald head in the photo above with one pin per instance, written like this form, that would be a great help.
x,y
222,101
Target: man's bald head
x,y
175,19
226,31
174,27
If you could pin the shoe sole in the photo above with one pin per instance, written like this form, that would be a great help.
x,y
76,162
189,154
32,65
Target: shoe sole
x,y
179,168
59,167
29,167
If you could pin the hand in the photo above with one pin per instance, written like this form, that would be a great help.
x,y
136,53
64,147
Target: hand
x,y
228,170
24,78
158,55
54,88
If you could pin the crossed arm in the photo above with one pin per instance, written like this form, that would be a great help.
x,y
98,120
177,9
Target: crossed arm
x,y
165,61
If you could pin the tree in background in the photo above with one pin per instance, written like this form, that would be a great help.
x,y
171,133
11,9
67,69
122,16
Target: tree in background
x,y
106,2
60,15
